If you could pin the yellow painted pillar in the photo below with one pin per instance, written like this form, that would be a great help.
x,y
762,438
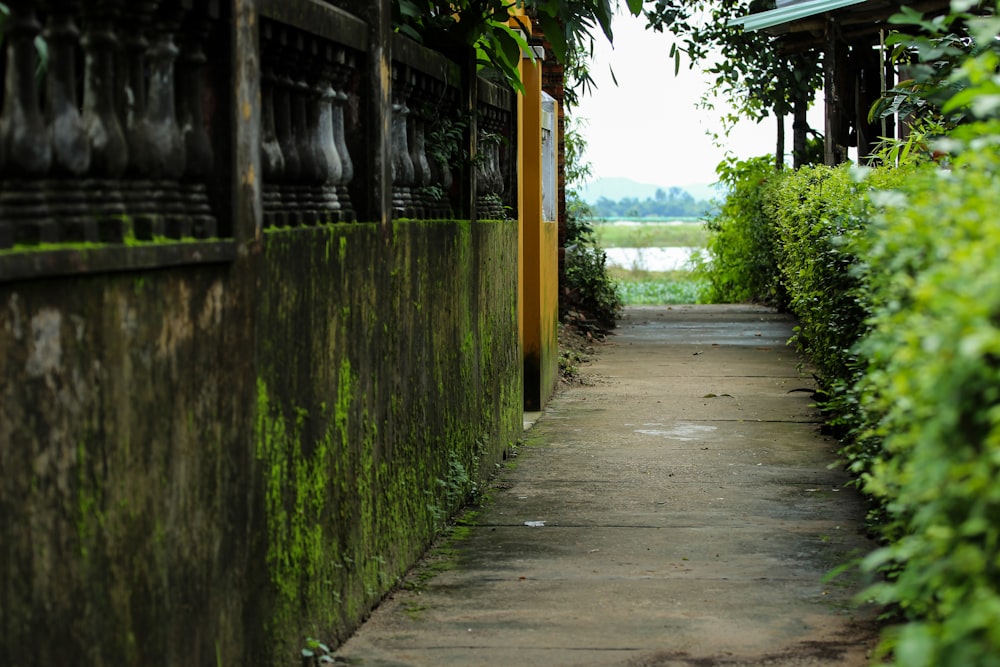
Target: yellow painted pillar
x,y
538,239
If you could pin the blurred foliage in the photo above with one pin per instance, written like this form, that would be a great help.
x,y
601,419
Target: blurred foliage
x,y
498,37
587,286
742,260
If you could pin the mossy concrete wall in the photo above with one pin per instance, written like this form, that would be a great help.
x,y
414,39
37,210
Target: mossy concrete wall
x,y
206,465
125,468
389,385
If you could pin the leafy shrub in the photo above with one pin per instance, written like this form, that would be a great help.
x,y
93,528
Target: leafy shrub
x,y
817,215
742,265
932,395
588,285
814,212
907,262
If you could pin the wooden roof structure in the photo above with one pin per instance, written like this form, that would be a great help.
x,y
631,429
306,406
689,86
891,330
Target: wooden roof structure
x,y
850,33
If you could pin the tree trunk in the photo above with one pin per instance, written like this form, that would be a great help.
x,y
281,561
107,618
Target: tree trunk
x,y
779,150
800,126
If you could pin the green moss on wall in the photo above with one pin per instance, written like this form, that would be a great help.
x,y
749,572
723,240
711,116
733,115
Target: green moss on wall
x,y
412,342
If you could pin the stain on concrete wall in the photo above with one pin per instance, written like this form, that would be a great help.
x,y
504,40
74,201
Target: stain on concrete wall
x,y
211,463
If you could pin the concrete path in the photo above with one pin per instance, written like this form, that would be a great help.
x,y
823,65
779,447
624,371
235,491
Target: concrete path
x,y
677,510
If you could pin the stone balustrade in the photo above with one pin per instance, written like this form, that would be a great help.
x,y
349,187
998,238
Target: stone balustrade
x,y
118,127
307,167
494,169
126,152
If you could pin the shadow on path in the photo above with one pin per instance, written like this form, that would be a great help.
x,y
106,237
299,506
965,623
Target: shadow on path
x,y
677,510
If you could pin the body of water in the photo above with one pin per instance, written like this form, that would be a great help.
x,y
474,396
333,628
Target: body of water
x,y
650,259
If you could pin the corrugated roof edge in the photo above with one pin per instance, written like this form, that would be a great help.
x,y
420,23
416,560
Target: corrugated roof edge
x,y
790,13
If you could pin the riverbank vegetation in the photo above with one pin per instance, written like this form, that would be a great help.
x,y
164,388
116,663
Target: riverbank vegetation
x,y
669,204
642,283
619,234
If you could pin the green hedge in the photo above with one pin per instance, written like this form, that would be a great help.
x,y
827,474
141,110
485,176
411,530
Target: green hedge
x,y
894,275
931,396
741,244
814,213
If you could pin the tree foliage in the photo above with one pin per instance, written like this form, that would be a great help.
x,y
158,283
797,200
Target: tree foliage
x,y
751,74
485,25
750,71
586,285
953,92
667,203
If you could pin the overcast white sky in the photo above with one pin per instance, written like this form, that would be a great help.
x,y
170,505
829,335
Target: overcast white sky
x,y
649,128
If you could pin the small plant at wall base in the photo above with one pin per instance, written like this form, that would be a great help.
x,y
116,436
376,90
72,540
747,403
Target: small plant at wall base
x,y
316,653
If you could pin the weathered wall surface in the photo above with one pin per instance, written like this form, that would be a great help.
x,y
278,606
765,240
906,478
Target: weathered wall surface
x,y
389,383
211,463
125,462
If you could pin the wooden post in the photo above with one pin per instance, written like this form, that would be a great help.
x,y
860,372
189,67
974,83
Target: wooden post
x,y
838,94
246,187
377,204
831,115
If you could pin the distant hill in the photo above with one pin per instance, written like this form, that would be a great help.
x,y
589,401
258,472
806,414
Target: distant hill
x,y
617,188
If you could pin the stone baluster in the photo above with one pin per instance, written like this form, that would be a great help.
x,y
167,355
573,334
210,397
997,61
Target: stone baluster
x,y
131,98
489,180
199,158
292,172
131,69
423,200
484,180
70,148
159,146
496,172
443,168
402,165
496,166
437,205
326,141
108,147
306,131
343,68
272,161
25,146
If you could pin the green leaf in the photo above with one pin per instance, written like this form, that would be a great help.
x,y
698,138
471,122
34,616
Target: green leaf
x,y
512,44
603,14
635,7
554,34
409,31
409,9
